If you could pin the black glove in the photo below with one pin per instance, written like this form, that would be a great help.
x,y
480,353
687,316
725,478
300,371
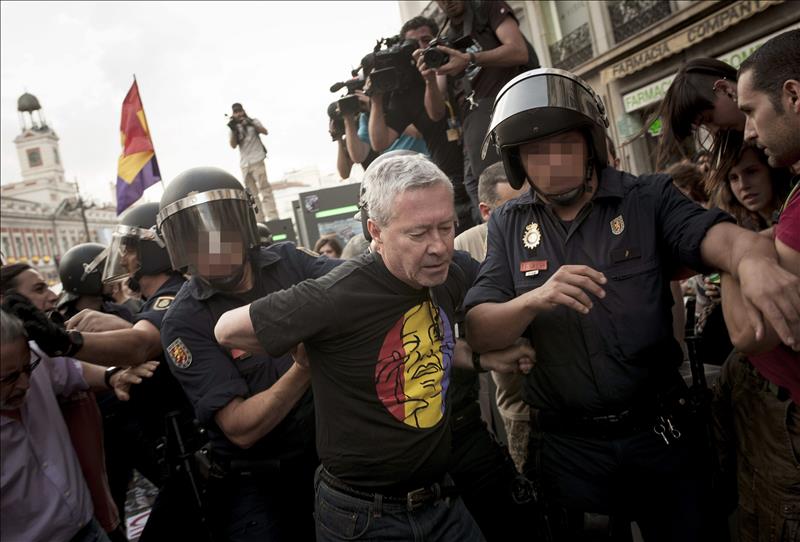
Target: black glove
x,y
51,338
232,124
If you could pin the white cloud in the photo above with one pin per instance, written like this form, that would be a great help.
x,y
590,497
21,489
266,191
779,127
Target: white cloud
x,y
192,60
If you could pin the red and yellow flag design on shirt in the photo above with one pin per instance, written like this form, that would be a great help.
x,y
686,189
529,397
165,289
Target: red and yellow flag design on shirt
x,y
138,168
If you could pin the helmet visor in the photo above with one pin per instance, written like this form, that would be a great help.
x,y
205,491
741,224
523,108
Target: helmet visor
x,y
124,258
209,234
541,102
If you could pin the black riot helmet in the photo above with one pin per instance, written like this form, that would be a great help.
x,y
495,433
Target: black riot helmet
x,y
136,235
264,234
80,270
541,103
205,215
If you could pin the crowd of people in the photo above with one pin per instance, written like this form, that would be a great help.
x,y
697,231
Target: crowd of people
x,y
272,392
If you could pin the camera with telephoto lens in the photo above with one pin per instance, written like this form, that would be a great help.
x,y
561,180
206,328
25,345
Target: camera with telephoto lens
x,y
391,68
436,58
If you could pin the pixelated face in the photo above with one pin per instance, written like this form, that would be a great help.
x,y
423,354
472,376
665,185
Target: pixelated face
x,y
417,244
422,35
778,133
30,284
555,164
411,376
219,254
750,182
16,364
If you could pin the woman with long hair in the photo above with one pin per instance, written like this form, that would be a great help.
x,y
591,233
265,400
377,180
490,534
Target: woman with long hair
x,y
748,187
701,101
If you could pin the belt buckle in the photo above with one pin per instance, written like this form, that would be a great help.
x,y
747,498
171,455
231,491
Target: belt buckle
x,y
416,498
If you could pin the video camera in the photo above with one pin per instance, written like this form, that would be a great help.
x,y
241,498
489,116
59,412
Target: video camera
x,y
436,58
391,68
348,104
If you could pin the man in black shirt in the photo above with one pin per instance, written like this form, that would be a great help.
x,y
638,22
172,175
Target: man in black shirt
x,y
581,265
379,334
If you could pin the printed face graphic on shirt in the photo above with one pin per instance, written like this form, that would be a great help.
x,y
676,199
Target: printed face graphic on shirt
x,y
413,369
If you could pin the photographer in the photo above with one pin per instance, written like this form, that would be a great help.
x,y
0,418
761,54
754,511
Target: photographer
x,y
392,112
344,164
491,52
245,134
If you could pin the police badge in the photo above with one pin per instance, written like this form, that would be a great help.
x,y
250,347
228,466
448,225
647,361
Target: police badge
x,y
617,225
532,236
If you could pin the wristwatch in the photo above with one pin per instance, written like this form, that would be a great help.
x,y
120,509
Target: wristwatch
x,y
476,362
111,371
473,61
75,343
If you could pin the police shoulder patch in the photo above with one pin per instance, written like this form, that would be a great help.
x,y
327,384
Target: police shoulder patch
x,y
179,354
163,302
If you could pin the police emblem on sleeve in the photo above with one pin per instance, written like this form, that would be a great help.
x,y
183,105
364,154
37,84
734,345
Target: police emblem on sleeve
x,y
532,236
617,225
163,302
179,354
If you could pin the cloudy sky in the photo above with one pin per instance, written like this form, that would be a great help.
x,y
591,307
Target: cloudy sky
x,y
192,60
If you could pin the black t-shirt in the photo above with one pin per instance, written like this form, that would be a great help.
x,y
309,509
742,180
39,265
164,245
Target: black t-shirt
x,y
407,108
381,356
481,24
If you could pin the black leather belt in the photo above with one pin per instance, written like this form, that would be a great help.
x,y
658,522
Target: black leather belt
x,y
626,422
412,500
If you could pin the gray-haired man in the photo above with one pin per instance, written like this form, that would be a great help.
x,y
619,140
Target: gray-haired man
x,y
379,334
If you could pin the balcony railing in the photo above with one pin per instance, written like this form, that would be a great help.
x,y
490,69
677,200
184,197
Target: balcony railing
x,y
573,49
629,17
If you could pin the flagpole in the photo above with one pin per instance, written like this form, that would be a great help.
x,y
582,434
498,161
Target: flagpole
x,y
149,132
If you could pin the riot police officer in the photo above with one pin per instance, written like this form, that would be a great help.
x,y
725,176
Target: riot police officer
x,y
157,406
581,265
257,410
81,274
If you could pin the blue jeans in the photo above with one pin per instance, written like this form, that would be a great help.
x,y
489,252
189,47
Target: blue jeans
x,y
342,517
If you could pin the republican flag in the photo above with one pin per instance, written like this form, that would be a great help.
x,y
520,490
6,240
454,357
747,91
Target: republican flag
x,y
138,168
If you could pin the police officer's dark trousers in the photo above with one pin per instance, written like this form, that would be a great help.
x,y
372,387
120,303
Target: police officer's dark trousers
x,y
264,503
636,477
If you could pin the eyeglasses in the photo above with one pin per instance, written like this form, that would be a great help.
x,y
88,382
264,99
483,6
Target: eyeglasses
x,y
28,368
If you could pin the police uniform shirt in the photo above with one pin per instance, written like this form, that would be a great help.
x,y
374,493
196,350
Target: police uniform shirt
x,y
381,357
156,396
212,376
637,232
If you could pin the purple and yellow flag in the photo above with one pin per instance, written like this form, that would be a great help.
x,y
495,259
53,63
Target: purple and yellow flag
x,y
138,168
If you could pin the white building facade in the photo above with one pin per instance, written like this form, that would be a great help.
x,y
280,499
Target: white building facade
x,y
42,216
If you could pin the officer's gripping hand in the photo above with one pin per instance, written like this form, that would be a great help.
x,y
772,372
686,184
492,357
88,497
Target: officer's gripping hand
x,y
123,380
95,321
51,338
570,286
517,358
771,294
300,356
